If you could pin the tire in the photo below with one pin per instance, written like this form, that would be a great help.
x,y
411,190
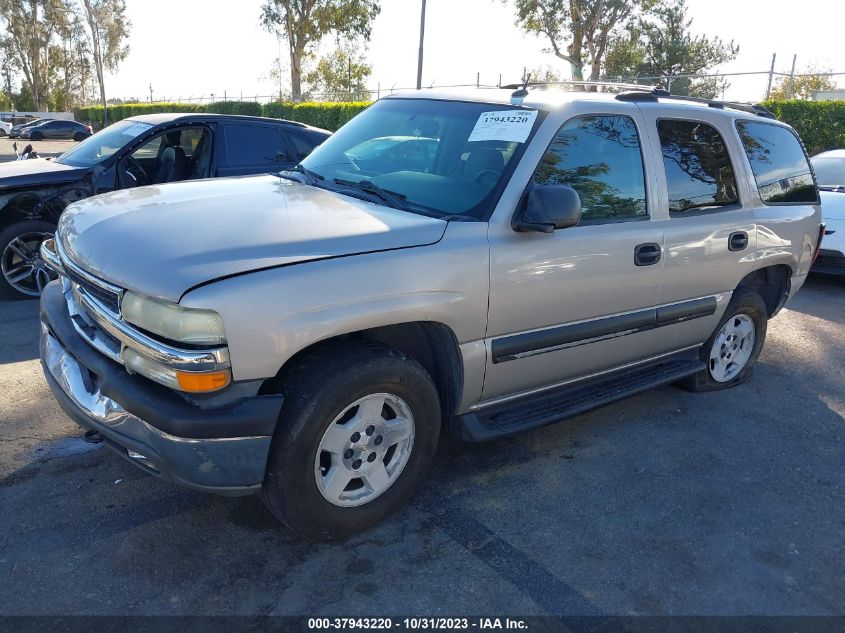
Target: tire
x,y
746,306
36,136
320,395
79,136
2,133
14,263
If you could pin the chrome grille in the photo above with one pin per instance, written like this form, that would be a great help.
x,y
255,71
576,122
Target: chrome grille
x,y
109,299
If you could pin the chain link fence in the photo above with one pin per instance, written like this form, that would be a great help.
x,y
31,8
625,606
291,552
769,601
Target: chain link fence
x,y
755,86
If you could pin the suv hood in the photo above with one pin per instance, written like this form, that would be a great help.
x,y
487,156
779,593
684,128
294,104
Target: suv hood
x,y
162,240
37,171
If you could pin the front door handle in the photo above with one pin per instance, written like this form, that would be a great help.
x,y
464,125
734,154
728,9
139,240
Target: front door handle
x,y
647,254
738,241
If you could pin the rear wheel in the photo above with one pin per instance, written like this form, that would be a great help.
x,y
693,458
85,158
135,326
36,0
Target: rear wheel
x,y
358,428
732,350
24,273
79,136
37,136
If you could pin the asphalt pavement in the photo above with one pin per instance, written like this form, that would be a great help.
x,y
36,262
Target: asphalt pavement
x,y
44,148
729,503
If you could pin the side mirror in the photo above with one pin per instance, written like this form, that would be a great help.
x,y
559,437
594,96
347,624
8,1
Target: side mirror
x,y
548,207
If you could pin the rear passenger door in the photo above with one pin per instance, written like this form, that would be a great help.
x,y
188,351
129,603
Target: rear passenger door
x,y
710,232
253,148
573,303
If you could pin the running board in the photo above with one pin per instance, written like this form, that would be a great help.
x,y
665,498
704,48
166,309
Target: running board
x,y
549,407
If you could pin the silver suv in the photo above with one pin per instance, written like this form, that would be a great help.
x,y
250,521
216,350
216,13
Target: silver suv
x,y
485,261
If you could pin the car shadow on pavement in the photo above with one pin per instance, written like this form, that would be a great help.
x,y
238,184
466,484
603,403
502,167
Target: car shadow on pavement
x,y
19,331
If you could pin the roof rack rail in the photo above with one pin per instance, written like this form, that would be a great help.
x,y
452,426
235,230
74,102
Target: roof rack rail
x,y
601,84
653,94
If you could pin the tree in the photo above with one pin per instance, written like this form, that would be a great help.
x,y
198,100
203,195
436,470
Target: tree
x,y
72,66
543,74
108,29
31,25
341,76
803,86
304,23
661,45
579,31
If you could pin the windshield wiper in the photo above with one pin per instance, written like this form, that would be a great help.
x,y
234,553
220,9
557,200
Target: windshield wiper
x,y
311,177
393,199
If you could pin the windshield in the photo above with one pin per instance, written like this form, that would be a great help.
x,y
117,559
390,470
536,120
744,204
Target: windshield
x,y
445,157
103,144
830,172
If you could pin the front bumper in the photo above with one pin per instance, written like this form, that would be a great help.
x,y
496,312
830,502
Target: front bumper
x,y
223,451
830,262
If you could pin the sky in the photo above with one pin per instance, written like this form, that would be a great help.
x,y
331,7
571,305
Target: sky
x,y
196,48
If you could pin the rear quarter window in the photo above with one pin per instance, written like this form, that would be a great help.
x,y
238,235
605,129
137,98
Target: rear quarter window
x,y
779,163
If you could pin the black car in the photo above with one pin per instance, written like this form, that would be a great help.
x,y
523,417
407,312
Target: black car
x,y
143,150
16,130
57,129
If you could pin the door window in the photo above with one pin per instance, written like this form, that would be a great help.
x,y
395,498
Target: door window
x,y
778,162
248,145
699,175
599,157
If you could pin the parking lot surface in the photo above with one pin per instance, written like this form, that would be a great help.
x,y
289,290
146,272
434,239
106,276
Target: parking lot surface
x,y
44,148
666,503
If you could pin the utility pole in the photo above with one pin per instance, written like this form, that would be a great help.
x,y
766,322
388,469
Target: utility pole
x,y
422,37
771,75
792,77
151,92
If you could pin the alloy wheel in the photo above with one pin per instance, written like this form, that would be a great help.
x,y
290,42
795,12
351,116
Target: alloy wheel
x,y
732,348
364,449
22,266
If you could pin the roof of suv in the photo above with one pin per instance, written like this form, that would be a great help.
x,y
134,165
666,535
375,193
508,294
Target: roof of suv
x,y
169,117
553,98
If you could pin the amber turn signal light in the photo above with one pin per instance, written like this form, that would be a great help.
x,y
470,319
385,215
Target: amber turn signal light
x,y
199,383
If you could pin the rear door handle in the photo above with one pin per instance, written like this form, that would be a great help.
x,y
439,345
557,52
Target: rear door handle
x,y
647,254
738,241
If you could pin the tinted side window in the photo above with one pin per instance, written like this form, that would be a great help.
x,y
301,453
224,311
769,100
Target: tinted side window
x,y
301,146
779,164
599,157
698,167
253,145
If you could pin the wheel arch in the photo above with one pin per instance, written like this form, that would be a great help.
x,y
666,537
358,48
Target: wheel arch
x,y
772,283
432,344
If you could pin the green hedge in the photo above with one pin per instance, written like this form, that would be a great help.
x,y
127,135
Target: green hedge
x,y
94,114
329,116
821,124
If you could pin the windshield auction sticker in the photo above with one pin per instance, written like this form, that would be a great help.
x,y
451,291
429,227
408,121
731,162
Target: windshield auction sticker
x,y
504,125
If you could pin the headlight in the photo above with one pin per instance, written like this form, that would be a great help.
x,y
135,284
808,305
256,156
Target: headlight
x,y
172,321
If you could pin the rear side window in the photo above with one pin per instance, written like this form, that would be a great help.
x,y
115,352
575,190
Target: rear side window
x,y
301,146
699,174
599,157
250,145
779,163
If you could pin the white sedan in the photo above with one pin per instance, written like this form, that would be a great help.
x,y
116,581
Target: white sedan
x,y
830,174
5,128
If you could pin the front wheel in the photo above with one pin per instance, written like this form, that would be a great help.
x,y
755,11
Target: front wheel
x,y
24,273
358,428
732,350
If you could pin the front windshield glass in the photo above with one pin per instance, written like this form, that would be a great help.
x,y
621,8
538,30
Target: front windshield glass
x,y
830,172
441,157
103,144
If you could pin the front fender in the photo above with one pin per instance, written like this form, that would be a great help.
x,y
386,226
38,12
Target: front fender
x,y
271,315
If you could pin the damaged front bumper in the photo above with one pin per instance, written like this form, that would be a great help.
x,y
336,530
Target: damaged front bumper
x,y
223,451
